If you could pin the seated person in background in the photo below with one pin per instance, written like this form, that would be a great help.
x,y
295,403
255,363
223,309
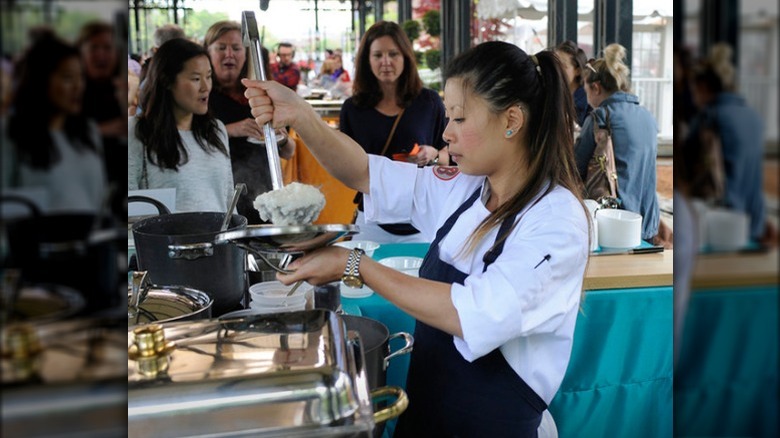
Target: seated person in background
x,y
249,160
634,139
175,142
49,142
339,73
284,70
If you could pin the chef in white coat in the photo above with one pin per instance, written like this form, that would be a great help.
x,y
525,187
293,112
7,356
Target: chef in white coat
x,y
499,290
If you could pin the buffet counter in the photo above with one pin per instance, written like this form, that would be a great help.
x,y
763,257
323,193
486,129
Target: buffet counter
x,y
726,379
619,380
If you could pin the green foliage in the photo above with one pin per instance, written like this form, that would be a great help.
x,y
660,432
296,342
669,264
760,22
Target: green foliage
x,y
15,25
418,58
432,23
198,22
433,59
412,29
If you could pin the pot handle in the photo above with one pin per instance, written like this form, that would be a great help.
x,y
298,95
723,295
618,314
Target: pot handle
x,y
161,208
406,349
191,251
394,410
16,199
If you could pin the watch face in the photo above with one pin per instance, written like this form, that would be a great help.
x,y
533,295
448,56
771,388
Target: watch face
x,y
352,281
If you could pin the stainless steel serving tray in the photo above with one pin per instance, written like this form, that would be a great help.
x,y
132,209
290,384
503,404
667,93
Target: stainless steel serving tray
x,y
289,239
288,374
64,378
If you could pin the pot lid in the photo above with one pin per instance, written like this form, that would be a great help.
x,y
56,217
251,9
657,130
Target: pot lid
x,y
289,239
262,373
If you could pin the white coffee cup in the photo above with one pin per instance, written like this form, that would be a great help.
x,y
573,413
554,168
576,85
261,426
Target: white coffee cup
x,y
727,230
619,228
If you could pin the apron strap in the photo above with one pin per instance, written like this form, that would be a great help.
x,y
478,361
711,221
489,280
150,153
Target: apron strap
x,y
454,216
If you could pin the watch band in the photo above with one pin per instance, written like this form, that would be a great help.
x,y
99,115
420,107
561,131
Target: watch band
x,y
352,270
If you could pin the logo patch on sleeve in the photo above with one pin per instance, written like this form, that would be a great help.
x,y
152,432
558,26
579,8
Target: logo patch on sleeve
x,y
446,173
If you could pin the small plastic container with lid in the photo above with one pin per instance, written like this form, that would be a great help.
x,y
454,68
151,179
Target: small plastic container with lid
x,y
271,297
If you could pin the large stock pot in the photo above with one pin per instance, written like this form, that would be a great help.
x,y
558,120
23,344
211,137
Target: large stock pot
x,y
217,270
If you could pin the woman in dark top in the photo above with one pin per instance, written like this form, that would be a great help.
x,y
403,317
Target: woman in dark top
x,y
573,60
387,86
227,102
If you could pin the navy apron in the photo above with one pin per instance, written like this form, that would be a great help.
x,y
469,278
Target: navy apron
x,y
450,397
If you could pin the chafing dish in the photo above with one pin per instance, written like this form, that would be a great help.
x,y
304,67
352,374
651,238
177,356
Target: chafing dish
x,y
295,374
64,378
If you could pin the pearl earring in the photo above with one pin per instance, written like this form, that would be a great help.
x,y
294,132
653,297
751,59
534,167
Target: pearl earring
x,y
509,132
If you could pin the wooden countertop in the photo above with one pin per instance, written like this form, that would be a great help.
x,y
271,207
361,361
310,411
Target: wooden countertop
x,y
730,270
630,271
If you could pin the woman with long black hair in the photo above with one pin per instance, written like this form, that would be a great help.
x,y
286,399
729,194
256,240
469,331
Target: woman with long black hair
x,y
51,144
175,142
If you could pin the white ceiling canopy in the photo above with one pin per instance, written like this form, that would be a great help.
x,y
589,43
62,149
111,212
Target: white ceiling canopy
x,y
536,9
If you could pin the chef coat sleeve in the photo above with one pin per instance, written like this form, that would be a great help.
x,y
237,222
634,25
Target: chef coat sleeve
x,y
403,193
531,286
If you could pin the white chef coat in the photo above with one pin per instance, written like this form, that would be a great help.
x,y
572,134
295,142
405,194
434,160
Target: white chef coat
x,y
524,304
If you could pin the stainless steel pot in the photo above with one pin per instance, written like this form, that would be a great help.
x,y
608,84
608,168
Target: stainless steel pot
x,y
149,303
217,270
75,250
376,346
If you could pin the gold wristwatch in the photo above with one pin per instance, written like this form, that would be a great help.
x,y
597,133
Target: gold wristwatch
x,y
351,276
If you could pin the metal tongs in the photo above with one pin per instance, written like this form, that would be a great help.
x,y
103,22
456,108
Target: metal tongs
x,y
251,38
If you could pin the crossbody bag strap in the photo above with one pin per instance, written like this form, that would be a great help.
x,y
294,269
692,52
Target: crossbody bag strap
x,y
358,199
612,167
392,131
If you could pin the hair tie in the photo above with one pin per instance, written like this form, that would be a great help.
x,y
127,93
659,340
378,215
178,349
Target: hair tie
x,y
536,63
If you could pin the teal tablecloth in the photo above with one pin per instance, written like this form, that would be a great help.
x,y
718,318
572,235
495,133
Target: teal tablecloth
x,y
726,380
619,380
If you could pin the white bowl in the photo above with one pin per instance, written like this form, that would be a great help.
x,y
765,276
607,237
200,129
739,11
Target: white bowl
x,y
407,265
727,230
272,295
356,292
619,228
366,245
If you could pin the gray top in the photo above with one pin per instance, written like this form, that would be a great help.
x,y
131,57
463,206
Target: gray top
x,y
75,184
204,183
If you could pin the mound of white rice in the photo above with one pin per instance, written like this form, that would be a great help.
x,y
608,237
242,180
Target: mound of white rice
x,y
294,204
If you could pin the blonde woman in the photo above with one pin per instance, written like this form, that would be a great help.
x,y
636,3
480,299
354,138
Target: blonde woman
x,y
634,137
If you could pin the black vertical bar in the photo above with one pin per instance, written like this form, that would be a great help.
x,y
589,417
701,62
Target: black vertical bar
x,y
678,28
136,7
462,25
176,12
562,19
447,19
613,23
379,10
316,19
720,24
404,11
455,28
362,16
